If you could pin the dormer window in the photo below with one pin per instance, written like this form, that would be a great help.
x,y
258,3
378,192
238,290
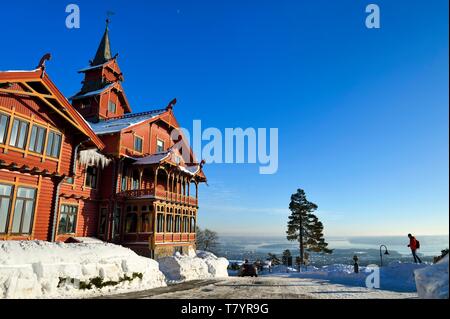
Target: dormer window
x,y
138,144
159,146
111,107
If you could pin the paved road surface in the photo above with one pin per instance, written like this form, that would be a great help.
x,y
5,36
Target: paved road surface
x,y
261,288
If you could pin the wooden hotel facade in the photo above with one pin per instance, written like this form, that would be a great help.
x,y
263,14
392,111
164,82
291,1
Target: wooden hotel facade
x,y
92,168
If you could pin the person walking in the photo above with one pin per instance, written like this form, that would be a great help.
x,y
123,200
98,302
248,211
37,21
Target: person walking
x,y
414,245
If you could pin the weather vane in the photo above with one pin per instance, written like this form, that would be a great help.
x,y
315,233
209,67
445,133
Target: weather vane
x,y
108,15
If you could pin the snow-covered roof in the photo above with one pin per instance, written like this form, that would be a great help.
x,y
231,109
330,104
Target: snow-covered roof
x,y
92,67
159,157
190,169
152,159
9,71
115,125
92,92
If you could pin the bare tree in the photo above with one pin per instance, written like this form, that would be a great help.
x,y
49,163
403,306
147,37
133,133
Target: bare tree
x,y
206,239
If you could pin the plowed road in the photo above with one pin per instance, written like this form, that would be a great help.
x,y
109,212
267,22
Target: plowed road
x,y
261,288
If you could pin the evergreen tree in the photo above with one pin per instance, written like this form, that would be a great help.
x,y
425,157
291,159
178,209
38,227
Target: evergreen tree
x,y
286,255
273,258
304,226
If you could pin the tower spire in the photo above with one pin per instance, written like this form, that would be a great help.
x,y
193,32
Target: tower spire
x,y
104,49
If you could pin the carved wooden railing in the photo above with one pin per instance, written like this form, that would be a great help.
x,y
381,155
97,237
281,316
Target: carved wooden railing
x,y
158,193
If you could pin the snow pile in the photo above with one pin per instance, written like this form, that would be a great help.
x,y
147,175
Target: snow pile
x,y
39,269
217,266
194,265
432,281
396,276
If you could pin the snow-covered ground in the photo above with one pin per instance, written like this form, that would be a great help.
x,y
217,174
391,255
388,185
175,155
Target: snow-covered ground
x,y
396,276
274,288
38,269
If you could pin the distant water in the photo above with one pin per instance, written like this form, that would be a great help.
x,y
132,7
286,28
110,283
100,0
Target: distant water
x,y
430,245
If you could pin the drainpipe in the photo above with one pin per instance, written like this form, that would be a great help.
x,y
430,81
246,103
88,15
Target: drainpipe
x,y
113,198
75,153
55,208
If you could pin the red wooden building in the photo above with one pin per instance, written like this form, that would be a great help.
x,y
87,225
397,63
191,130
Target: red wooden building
x,y
93,168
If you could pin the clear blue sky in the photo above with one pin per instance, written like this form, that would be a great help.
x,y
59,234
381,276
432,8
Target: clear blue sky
x,y
362,114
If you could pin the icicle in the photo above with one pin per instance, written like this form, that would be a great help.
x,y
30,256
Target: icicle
x,y
93,157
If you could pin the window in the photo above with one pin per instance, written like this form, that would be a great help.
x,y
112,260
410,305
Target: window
x,y
192,225
5,204
135,180
67,219
53,144
159,146
177,224
103,217
169,220
85,105
145,223
138,144
23,210
185,224
111,107
91,177
131,220
19,133
116,222
69,180
160,223
37,139
4,121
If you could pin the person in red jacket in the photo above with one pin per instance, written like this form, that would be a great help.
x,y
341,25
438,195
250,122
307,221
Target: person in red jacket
x,y
413,244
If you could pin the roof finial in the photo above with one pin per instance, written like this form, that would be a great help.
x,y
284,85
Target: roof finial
x,y
171,104
41,64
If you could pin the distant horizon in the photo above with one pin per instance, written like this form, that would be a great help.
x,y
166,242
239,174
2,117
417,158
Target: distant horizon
x,y
329,236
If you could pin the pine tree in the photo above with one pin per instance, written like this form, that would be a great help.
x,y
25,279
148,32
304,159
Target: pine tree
x,y
273,258
304,226
286,255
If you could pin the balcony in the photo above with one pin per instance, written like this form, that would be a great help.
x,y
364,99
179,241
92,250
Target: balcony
x,y
158,194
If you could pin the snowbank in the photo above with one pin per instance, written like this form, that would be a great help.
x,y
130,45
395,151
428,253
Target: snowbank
x,y
39,269
432,281
194,265
396,276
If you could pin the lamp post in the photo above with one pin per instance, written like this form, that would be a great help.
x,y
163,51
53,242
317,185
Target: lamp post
x,y
386,252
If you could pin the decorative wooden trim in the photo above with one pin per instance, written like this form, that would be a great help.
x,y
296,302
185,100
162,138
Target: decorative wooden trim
x,y
8,133
36,205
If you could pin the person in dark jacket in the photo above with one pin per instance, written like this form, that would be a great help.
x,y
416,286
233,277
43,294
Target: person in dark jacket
x,y
413,245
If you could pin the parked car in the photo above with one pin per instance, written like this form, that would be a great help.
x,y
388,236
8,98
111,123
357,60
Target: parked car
x,y
248,270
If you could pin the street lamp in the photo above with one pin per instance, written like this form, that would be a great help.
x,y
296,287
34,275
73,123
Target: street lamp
x,y
386,252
